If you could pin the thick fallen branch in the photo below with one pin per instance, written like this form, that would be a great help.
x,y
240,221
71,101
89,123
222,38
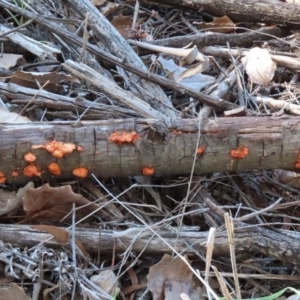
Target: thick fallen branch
x,y
254,240
140,146
256,11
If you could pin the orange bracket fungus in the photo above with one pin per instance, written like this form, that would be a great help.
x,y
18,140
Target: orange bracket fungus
x,y
121,137
54,168
58,149
32,170
148,171
200,150
30,157
239,153
2,177
80,172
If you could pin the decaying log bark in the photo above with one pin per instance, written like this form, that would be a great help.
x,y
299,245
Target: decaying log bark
x,y
261,11
255,240
169,147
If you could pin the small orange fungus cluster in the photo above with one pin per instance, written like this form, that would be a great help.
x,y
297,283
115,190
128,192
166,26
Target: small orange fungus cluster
x,y
239,153
2,177
32,170
80,172
121,137
54,168
30,157
58,149
148,171
200,150
14,173
297,164
177,132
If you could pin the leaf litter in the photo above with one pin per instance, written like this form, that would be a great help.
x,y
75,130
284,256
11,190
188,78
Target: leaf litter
x,y
121,238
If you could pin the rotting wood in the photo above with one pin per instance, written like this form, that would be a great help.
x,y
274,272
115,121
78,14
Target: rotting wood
x,y
255,240
255,11
168,147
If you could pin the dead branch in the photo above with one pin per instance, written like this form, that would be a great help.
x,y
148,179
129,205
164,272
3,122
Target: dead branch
x,y
168,147
267,11
202,39
255,240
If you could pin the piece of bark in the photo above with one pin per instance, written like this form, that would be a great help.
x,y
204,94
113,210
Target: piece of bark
x,y
255,11
256,240
168,148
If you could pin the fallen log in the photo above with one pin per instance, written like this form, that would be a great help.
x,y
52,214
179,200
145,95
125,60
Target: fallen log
x,y
255,11
116,148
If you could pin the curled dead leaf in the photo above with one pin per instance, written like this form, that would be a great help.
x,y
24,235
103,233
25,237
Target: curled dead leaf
x,y
53,204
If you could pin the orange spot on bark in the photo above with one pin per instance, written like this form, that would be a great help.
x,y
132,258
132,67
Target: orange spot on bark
x,y
239,153
30,157
297,164
32,170
54,168
2,177
57,149
14,173
80,172
200,150
148,171
177,132
121,137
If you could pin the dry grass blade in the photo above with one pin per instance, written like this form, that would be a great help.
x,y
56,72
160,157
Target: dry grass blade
x,y
209,252
230,232
222,284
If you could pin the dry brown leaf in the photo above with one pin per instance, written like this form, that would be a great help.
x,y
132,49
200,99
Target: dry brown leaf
x,y
10,201
13,292
222,25
259,65
8,60
28,79
61,235
195,54
53,204
123,25
171,277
